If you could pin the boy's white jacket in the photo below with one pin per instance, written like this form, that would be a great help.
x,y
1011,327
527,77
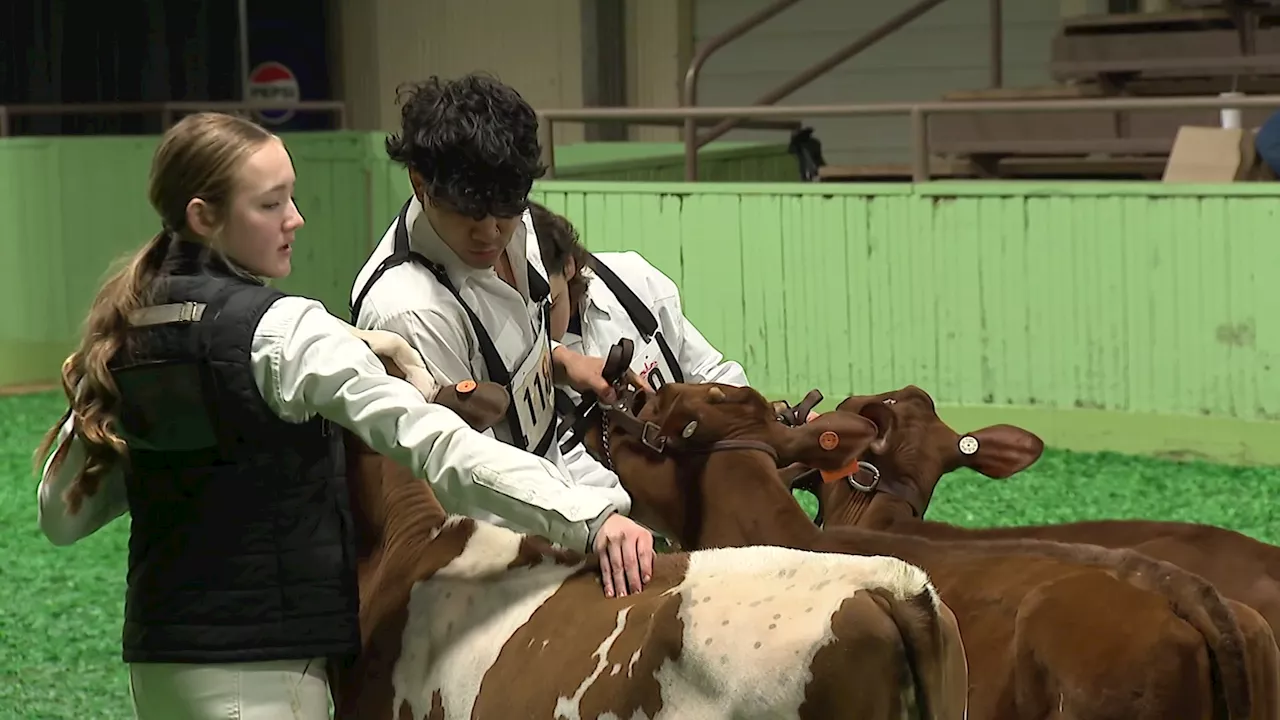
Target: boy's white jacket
x,y
409,301
605,322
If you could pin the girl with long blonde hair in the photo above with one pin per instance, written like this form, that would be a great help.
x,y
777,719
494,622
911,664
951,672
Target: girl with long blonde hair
x,y
201,402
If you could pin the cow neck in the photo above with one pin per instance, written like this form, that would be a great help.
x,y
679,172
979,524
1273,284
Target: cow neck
x,y
730,498
749,504
388,503
411,511
870,498
840,505
728,492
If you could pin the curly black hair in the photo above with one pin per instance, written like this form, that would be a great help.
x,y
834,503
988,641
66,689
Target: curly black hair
x,y
557,243
473,140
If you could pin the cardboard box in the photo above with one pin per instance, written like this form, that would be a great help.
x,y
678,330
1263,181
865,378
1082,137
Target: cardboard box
x,y
1215,155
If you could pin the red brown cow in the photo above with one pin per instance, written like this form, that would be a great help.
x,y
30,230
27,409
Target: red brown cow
x,y
917,449
1050,630
463,619
923,448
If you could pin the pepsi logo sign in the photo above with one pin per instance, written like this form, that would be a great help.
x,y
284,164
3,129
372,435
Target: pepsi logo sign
x,y
273,82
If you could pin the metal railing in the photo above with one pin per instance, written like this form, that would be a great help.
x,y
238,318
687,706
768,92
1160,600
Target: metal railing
x,y
168,110
918,113
689,95
769,117
689,91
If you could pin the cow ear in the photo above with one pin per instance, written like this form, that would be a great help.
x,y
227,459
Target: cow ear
x,y
884,420
481,405
832,442
855,403
999,451
674,417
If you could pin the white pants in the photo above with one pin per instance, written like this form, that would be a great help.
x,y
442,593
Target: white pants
x,y
290,689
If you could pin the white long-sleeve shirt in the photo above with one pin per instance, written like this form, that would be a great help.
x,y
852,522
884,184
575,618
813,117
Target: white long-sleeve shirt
x,y
306,363
605,321
409,301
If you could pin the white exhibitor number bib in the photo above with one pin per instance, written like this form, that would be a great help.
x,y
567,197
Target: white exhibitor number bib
x,y
532,391
650,363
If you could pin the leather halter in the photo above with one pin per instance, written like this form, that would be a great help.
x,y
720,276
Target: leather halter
x,y
649,434
875,480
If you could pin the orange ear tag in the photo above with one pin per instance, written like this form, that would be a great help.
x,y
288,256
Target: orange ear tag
x,y
466,387
829,476
828,440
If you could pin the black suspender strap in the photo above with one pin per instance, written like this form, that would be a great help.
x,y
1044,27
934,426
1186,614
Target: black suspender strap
x,y
636,310
640,314
575,418
564,406
398,256
539,289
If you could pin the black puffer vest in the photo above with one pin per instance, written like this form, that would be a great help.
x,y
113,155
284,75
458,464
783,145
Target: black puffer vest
x,y
241,547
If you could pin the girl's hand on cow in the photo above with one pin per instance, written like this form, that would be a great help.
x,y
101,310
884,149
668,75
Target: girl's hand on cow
x,y
586,373
626,555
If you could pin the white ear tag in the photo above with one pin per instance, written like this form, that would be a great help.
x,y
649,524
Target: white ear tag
x,y
689,429
968,444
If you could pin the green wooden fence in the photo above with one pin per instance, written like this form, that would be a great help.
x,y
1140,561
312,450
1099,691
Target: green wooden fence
x,y
1127,316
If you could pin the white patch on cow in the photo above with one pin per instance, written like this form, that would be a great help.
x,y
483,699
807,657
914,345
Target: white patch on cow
x,y
755,617
753,620
462,616
569,708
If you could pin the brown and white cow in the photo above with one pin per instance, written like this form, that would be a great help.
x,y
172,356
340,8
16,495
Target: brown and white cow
x,y
1050,630
463,619
917,448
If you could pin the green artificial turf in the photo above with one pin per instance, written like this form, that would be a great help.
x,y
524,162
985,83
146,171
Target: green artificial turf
x,y
61,607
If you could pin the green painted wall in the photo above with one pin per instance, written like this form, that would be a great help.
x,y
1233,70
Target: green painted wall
x,y
1085,299
1128,316
71,207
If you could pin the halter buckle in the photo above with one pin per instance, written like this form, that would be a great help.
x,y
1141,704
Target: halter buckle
x,y
657,442
868,487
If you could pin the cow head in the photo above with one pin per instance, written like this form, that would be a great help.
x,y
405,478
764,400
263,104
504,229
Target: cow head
x,y
659,444
704,417
918,448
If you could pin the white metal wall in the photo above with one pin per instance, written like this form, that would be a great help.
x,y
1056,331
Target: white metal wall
x,y
942,51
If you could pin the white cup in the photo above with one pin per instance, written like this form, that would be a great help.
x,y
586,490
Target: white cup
x,y
1231,118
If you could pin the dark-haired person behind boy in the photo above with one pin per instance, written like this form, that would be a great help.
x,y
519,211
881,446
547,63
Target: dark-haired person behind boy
x,y
458,274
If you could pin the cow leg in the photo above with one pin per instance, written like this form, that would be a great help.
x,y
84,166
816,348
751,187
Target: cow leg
x,y
1090,647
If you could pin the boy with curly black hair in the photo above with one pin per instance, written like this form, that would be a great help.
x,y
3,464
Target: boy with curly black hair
x,y
459,275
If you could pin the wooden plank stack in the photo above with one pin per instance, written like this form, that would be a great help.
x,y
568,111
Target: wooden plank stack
x,y
1203,48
